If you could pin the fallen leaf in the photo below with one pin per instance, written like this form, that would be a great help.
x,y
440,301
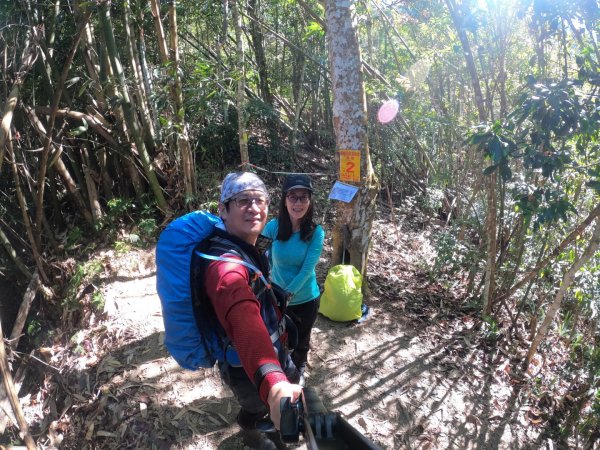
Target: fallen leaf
x,y
362,422
144,409
179,414
106,434
90,432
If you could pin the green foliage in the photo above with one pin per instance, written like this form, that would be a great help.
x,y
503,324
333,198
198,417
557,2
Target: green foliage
x,y
98,301
432,201
591,422
79,130
34,326
565,325
585,354
148,227
490,329
314,28
452,254
551,121
75,237
497,147
554,211
138,215
77,340
122,247
212,207
117,207
84,274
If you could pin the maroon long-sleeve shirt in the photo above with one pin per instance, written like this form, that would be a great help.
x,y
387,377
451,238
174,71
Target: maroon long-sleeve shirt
x,y
238,311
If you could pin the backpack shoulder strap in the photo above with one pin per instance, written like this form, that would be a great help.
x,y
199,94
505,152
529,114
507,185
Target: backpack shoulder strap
x,y
218,244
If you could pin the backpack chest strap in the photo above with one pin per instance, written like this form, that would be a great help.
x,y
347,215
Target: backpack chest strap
x,y
275,335
246,264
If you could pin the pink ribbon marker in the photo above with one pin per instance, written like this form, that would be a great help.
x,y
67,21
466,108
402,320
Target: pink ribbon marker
x,y
388,111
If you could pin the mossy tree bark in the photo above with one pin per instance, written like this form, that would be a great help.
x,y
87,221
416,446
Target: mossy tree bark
x,y
352,230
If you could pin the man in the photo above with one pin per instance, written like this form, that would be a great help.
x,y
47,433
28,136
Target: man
x,y
249,321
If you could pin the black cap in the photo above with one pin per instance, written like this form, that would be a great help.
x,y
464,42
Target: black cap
x,y
297,181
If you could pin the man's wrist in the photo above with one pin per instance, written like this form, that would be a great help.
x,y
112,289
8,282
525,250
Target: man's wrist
x,y
269,381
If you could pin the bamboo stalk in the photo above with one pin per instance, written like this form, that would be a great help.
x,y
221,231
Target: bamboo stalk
x,y
64,173
9,109
35,249
11,392
126,104
32,288
13,254
39,201
28,59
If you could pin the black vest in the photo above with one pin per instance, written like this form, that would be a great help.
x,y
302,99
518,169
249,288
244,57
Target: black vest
x,y
272,303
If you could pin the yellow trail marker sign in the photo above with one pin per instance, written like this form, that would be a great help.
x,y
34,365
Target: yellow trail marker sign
x,y
350,165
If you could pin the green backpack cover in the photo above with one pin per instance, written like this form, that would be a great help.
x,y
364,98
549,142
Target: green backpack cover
x,y
342,296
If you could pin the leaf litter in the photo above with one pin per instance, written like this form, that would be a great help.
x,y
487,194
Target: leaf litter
x,y
419,373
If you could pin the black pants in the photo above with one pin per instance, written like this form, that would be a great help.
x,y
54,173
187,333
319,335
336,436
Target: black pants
x,y
304,316
245,391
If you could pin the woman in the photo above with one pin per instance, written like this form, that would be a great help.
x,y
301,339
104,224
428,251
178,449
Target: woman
x,y
295,252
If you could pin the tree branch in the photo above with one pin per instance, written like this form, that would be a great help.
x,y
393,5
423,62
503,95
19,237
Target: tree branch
x,y
568,240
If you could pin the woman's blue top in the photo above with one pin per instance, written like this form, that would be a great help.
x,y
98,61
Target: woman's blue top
x,y
293,262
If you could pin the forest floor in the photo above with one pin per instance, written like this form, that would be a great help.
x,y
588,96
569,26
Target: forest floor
x,y
419,373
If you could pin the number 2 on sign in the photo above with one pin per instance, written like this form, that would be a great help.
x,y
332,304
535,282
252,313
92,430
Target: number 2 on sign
x,y
350,165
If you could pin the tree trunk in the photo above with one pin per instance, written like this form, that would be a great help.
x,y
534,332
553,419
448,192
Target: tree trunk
x,y
90,56
125,159
259,53
92,189
12,254
263,74
222,40
51,36
145,72
32,288
62,170
298,108
92,121
490,227
7,116
182,144
160,31
352,231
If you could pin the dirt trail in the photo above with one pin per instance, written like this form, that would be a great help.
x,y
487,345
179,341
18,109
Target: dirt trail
x,y
409,377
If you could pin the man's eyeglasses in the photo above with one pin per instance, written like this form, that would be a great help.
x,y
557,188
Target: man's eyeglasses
x,y
246,202
303,199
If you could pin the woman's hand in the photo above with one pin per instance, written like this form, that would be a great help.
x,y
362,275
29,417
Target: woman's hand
x,y
281,390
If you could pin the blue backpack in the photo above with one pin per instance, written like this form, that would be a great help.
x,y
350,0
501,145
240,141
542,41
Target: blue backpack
x,y
194,341
192,344
174,250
